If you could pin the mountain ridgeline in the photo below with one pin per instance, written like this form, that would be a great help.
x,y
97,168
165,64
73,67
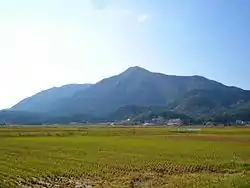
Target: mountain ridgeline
x,y
137,92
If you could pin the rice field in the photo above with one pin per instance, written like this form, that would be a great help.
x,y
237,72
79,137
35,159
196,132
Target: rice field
x,y
92,156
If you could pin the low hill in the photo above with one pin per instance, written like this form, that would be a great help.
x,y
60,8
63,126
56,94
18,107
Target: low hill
x,y
19,117
8,117
210,103
239,111
143,113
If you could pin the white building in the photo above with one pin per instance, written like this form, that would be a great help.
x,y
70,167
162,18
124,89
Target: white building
x,y
172,122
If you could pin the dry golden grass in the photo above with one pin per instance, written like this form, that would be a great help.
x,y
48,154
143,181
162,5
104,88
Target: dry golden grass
x,y
124,157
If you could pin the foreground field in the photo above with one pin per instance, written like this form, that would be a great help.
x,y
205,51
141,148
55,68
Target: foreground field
x,y
124,157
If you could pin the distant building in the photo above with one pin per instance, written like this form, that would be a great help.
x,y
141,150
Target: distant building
x,y
159,120
74,123
209,123
148,124
172,122
240,122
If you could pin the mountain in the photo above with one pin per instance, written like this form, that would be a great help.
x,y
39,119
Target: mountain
x,y
138,92
43,101
135,86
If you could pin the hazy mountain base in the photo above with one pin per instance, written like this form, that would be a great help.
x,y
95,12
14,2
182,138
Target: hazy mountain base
x,y
195,115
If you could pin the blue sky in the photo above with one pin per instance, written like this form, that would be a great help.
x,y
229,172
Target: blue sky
x,y
46,43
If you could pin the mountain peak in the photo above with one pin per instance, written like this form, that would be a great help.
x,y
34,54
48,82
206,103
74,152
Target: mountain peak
x,y
135,69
